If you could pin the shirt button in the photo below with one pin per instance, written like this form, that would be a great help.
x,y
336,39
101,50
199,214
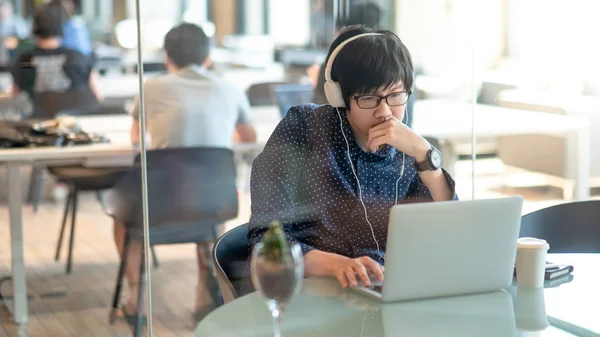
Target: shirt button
x,y
362,187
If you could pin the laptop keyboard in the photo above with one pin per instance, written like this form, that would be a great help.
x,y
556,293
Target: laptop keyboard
x,y
376,287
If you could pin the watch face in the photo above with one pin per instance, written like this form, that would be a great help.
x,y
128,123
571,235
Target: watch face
x,y
436,158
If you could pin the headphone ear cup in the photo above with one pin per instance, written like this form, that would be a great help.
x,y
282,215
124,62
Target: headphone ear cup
x,y
334,96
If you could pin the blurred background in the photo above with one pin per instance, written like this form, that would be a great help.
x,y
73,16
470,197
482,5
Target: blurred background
x,y
508,89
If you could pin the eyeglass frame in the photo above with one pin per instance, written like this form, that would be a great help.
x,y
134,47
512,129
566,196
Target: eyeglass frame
x,y
381,98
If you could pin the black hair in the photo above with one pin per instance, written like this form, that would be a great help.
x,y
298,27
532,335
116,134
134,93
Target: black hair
x,y
68,6
365,14
48,21
370,62
187,44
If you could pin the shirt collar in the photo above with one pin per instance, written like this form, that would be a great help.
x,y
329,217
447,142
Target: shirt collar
x,y
195,68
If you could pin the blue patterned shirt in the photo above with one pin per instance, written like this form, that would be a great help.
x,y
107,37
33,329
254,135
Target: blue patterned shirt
x,y
303,178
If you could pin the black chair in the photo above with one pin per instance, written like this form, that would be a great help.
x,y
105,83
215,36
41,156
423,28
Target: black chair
x,y
230,256
289,95
82,179
568,228
190,192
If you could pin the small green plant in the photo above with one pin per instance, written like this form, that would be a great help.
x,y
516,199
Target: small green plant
x,y
276,248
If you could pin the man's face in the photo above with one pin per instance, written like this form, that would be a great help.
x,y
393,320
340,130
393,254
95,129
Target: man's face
x,y
363,118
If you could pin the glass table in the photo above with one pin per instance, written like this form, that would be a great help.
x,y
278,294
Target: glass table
x,y
567,306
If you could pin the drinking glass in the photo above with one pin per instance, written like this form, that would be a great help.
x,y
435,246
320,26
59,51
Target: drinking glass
x,y
278,280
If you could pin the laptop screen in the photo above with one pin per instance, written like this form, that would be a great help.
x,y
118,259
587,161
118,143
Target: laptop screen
x,y
289,95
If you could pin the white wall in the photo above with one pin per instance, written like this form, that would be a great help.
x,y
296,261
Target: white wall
x,y
556,41
156,10
440,34
290,21
254,16
196,11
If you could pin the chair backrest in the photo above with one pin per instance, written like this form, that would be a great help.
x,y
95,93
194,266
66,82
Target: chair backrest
x,y
289,95
230,256
185,185
261,93
568,228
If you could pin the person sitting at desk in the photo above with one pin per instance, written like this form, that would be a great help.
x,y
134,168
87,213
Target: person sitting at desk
x,y
57,79
331,173
76,35
187,107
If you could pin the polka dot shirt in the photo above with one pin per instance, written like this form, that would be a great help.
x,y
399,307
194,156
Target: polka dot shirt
x,y
304,179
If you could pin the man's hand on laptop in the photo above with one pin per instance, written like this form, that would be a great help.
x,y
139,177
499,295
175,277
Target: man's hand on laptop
x,y
350,271
346,270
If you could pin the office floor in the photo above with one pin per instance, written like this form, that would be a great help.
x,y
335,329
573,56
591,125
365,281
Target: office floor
x,y
85,311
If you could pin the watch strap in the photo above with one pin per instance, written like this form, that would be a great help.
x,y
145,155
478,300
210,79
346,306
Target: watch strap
x,y
424,165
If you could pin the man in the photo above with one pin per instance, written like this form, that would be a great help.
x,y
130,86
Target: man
x,y
56,79
331,173
187,107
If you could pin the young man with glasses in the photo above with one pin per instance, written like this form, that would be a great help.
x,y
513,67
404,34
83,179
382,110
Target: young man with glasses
x,y
330,173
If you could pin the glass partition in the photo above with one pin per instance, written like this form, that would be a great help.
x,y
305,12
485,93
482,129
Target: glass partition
x,y
68,85
117,230
540,84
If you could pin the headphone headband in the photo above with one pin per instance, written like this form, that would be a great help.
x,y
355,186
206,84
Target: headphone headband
x,y
337,50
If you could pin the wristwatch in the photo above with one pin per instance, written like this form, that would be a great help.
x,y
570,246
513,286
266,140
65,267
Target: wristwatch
x,y
433,161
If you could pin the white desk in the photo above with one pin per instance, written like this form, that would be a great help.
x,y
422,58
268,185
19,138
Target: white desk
x,y
118,153
13,159
323,308
451,121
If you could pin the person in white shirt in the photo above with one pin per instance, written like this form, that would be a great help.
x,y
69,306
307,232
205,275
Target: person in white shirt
x,y
187,107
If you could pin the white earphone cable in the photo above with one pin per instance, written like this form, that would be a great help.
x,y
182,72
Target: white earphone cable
x,y
358,181
400,177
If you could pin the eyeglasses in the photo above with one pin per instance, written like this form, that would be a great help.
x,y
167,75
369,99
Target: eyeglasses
x,y
372,101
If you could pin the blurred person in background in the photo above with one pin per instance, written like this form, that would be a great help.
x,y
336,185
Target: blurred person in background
x,y
187,107
12,26
12,29
57,79
75,32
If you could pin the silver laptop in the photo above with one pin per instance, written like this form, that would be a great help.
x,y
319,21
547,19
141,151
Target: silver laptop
x,y
449,248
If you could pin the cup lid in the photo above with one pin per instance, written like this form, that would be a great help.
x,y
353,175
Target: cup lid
x,y
532,243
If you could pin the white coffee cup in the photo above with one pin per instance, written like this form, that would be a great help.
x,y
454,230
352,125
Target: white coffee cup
x,y
531,262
